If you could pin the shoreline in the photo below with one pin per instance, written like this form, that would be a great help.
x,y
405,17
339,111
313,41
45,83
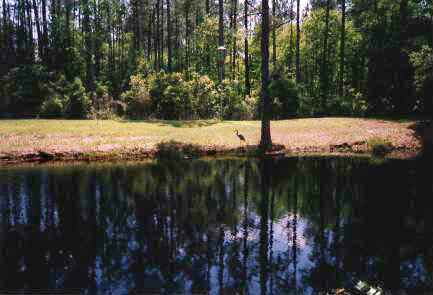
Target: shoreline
x,y
47,156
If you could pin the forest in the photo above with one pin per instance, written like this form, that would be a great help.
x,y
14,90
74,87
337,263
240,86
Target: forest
x,y
226,59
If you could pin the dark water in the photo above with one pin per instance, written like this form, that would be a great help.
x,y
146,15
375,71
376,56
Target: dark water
x,y
288,226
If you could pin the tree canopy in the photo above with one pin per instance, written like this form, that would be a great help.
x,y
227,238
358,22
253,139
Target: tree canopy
x,y
144,58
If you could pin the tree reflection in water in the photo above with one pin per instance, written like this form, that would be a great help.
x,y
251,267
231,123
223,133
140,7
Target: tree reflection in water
x,y
287,226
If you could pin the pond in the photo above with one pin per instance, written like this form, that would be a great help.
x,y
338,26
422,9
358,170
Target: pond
x,y
220,226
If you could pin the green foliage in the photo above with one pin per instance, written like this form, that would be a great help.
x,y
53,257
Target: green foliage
x,y
22,89
53,107
137,98
171,96
205,96
65,99
79,102
104,107
285,97
352,103
232,104
422,61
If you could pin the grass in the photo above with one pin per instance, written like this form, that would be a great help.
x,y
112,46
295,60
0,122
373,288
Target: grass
x,y
87,137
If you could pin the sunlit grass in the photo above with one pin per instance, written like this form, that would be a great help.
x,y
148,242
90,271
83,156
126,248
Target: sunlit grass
x,y
20,136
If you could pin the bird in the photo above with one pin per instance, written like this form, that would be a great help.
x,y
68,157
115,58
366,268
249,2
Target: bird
x,y
240,136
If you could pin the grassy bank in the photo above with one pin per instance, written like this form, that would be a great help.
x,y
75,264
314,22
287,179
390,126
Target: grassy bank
x,y
67,139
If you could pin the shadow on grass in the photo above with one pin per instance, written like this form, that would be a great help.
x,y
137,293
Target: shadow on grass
x,y
176,123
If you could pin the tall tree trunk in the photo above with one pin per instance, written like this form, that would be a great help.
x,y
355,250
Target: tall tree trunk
x,y
235,27
290,62
156,34
221,48
342,46
266,141
430,110
298,37
274,35
169,51
207,11
324,72
45,33
30,46
88,46
246,57
161,33
68,22
187,37
149,35
38,29
97,38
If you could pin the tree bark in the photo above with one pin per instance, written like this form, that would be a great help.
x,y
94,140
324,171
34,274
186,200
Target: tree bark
x,y
169,50
342,46
156,32
274,35
246,57
291,39
266,141
324,72
235,27
221,40
38,29
88,46
298,37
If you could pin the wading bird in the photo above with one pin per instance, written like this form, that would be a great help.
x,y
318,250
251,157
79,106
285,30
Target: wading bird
x,y
240,136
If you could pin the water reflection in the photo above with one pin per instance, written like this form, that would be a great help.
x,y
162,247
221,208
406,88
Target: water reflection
x,y
287,226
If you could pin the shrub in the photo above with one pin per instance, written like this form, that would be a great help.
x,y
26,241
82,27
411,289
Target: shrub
x,y
104,107
204,95
285,97
53,107
22,89
379,147
79,101
231,102
350,104
137,98
171,96
57,98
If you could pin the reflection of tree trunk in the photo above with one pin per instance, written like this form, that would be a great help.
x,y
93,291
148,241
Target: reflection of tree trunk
x,y
245,240
295,236
221,260
264,206
209,252
322,219
337,230
4,228
271,243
